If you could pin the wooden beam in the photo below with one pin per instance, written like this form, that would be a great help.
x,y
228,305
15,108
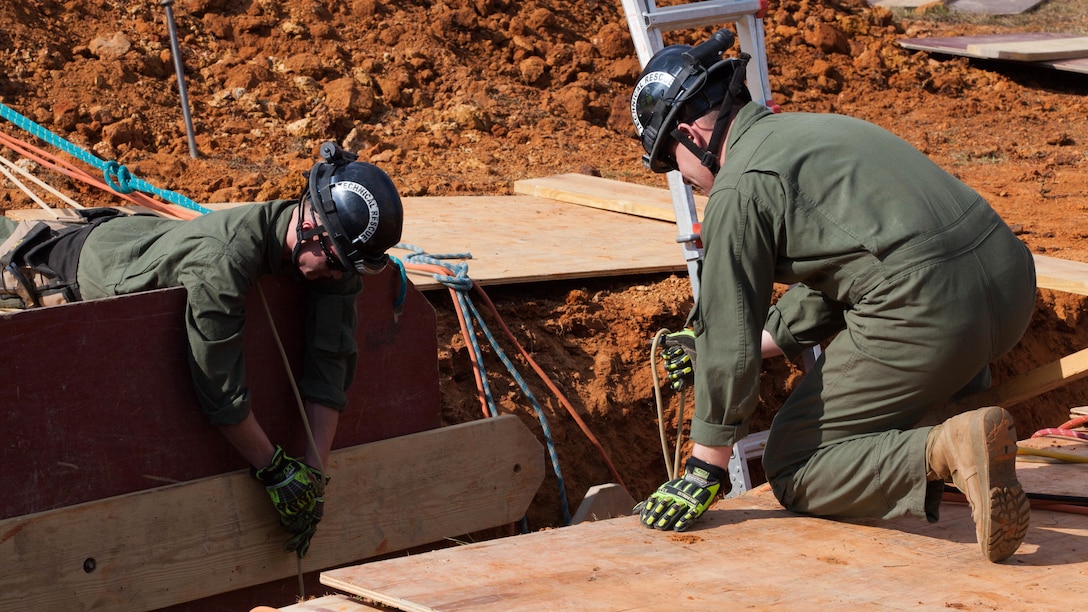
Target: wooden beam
x,y
1026,386
179,543
605,194
1061,274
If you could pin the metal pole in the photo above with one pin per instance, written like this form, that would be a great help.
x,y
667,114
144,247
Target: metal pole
x,y
179,68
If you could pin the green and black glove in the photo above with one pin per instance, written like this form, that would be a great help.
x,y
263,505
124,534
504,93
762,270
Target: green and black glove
x,y
677,503
296,491
679,354
300,543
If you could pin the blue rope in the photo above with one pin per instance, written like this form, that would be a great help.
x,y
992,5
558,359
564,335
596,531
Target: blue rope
x,y
459,281
117,176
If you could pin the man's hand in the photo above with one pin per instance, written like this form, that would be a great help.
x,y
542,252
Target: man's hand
x,y
300,543
677,503
296,491
679,354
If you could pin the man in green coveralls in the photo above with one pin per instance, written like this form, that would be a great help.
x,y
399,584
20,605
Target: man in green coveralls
x,y
910,277
339,229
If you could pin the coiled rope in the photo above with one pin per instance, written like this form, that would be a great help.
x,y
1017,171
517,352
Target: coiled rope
x,y
455,278
457,281
117,177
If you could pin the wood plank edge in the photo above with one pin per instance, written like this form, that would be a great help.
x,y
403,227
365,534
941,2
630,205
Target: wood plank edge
x,y
375,596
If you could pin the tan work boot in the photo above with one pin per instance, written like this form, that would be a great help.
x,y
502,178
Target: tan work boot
x,y
977,451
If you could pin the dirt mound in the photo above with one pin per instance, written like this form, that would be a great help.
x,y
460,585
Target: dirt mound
x,y
468,96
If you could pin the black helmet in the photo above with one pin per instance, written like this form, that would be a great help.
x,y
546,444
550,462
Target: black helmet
x,y
679,84
358,205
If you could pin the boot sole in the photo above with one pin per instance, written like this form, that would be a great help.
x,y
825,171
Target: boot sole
x,y
1003,521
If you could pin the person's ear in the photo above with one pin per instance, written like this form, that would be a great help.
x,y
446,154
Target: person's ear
x,y
694,133
307,220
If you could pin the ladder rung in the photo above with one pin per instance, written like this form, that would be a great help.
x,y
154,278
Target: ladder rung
x,y
697,14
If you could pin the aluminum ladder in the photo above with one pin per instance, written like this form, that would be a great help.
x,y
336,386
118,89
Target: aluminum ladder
x,y
646,22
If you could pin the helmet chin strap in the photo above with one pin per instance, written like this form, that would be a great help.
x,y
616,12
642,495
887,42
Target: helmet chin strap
x,y
301,235
709,157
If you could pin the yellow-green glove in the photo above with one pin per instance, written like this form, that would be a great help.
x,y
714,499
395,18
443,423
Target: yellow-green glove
x,y
678,352
296,492
677,503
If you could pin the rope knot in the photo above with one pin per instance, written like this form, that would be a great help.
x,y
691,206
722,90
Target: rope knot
x,y
114,170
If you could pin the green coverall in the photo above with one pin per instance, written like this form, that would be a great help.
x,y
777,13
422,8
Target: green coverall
x,y
919,282
218,258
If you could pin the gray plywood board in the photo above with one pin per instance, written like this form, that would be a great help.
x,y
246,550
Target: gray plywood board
x,y
990,7
958,45
900,3
1033,50
993,7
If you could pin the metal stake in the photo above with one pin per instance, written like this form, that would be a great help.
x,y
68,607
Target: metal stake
x,y
179,68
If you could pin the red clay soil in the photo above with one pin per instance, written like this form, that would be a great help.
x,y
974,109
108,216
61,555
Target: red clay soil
x,y
467,96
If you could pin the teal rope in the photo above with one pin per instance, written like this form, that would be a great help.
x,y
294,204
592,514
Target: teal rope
x,y
117,176
402,293
459,281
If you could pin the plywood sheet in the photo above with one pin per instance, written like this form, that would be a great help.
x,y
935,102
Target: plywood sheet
x,y
990,7
1033,50
747,552
957,45
516,239
900,3
1046,473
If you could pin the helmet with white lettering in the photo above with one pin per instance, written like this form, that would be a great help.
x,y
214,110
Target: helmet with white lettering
x,y
358,206
679,84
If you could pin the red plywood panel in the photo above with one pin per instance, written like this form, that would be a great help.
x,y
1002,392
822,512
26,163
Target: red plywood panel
x,y
96,399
